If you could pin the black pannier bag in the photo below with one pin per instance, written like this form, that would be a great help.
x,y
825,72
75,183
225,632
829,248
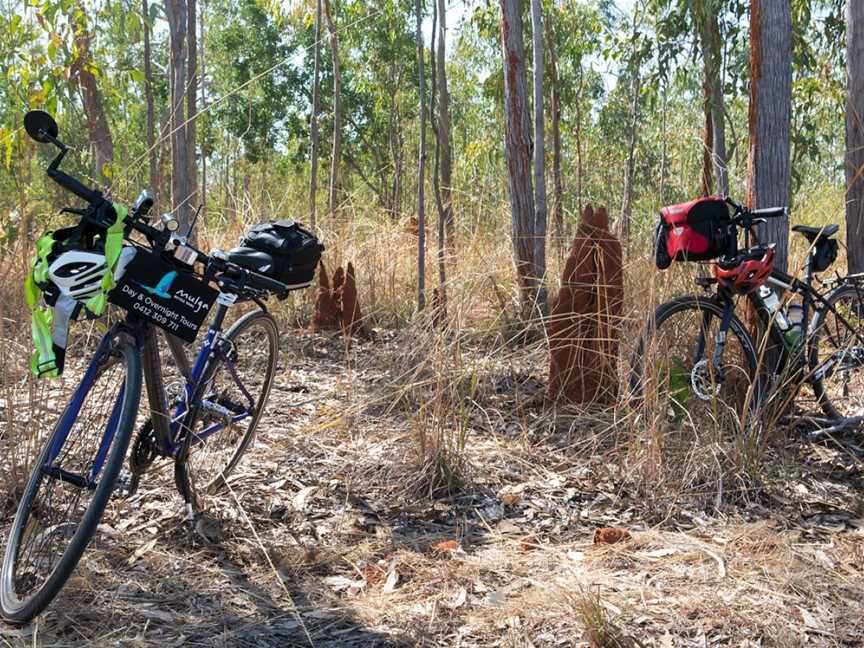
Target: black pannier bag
x,y
295,251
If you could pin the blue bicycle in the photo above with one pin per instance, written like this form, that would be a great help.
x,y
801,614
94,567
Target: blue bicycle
x,y
204,426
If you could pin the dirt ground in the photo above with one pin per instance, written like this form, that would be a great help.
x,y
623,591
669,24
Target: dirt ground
x,y
328,537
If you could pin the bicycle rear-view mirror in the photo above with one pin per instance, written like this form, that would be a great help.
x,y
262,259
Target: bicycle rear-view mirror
x,y
41,126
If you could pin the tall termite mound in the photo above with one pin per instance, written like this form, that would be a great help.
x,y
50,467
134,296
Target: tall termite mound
x,y
338,307
583,325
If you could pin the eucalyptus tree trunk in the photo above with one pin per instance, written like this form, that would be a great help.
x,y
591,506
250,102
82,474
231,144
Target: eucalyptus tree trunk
x,y
630,171
444,130
517,148
712,55
336,154
192,101
98,130
539,156
436,172
421,164
770,117
181,186
707,143
313,128
203,86
151,110
555,110
855,136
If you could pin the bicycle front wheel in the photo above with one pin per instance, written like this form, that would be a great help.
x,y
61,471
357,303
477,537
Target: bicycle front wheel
x,y
71,481
837,355
236,392
673,370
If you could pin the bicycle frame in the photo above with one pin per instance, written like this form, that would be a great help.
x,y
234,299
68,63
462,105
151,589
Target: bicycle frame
x,y
169,428
812,300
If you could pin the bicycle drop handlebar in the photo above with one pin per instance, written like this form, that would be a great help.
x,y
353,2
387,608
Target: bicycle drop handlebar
x,y
217,266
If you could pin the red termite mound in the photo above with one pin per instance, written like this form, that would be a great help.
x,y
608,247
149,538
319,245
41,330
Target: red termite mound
x,y
583,324
328,313
352,316
338,307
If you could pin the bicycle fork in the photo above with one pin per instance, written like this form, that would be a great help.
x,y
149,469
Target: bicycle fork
x,y
705,376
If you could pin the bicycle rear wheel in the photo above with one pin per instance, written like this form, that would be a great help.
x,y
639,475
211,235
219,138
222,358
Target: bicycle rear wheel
x,y
224,422
672,366
836,355
71,481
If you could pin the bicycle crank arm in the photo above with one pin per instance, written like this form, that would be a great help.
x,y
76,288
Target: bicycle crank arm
x,y
68,477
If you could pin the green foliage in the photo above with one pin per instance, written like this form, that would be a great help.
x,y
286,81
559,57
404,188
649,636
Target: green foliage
x,y
253,129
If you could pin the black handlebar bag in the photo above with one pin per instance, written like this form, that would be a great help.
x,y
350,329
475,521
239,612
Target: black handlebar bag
x,y
295,251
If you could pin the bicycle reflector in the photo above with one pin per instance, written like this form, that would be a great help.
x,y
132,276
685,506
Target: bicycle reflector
x,y
746,271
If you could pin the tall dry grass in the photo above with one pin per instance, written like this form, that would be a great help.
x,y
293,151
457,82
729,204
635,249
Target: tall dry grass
x,y
448,376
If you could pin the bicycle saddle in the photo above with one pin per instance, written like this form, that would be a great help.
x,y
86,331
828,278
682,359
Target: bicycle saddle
x,y
250,259
813,233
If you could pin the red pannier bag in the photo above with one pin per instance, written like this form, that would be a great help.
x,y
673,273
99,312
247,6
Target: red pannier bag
x,y
699,230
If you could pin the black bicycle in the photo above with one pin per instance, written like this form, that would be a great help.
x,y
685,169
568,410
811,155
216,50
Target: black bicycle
x,y
204,427
699,359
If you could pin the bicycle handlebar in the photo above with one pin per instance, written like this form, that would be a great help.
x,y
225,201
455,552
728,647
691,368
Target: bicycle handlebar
x,y
765,212
158,238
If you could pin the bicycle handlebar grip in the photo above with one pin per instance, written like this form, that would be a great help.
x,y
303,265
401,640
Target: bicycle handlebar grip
x,y
770,212
73,185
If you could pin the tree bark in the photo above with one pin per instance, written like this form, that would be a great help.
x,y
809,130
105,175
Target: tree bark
x,y
635,69
713,59
770,117
98,129
421,164
855,136
152,149
577,131
539,156
313,128
192,101
627,204
555,110
517,148
151,110
707,143
444,130
202,84
336,153
181,189
436,172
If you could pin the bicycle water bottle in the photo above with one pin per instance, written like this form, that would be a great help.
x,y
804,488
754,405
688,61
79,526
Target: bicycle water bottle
x,y
795,316
771,303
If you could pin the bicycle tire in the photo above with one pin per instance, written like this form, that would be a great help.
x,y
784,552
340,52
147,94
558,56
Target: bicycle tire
x,y
701,305
20,610
832,407
191,479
